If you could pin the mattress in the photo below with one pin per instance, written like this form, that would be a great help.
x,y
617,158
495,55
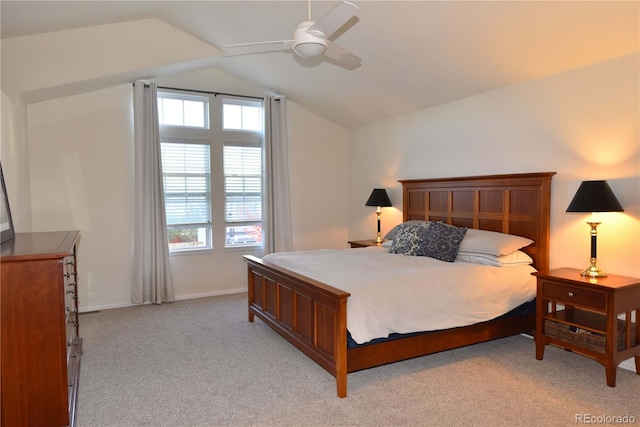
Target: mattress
x,y
398,294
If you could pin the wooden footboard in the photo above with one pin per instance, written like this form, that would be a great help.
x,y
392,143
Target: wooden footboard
x,y
309,314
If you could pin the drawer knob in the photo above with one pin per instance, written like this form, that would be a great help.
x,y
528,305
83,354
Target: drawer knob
x,y
570,294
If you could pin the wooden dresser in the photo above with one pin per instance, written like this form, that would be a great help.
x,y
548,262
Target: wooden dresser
x,y
41,346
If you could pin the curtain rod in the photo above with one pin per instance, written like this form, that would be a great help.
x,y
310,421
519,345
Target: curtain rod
x,y
209,93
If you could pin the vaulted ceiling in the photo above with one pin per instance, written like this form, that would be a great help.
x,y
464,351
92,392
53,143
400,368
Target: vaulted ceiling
x,y
415,54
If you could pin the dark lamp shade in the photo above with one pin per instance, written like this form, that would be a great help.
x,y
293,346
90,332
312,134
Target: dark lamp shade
x,y
379,197
594,196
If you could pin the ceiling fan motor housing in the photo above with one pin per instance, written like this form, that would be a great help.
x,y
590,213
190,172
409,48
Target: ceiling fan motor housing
x,y
306,44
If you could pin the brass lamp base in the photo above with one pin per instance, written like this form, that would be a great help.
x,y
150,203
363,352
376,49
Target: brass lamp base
x,y
593,271
378,240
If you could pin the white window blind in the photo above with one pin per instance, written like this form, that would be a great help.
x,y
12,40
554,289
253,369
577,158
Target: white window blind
x,y
187,183
243,184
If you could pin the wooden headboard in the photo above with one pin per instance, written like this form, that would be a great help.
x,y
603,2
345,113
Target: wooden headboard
x,y
514,204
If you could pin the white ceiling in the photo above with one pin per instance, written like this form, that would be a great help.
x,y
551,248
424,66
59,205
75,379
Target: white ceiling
x,y
415,54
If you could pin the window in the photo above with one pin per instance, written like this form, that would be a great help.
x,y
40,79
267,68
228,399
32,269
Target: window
x,y
242,116
183,110
186,177
212,155
243,124
243,194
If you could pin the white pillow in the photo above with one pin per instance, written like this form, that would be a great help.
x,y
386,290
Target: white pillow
x,y
492,242
514,258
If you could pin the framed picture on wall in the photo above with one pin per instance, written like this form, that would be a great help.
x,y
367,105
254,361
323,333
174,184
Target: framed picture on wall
x,y
6,224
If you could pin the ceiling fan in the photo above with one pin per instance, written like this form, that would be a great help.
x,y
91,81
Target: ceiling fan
x,y
310,38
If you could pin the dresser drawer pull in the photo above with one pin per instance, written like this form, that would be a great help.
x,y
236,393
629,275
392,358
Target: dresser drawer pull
x,y
570,294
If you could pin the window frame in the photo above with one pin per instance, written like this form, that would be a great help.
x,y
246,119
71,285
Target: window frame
x,y
216,137
247,138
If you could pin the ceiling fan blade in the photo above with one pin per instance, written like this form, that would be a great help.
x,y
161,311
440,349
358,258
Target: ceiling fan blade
x,y
342,55
242,49
334,19
287,43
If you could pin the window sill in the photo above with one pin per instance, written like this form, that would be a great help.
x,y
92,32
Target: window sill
x,y
186,252
252,248
191,252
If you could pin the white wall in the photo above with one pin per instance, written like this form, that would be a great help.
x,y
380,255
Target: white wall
x,y
14,158
582,124
318,159
80,158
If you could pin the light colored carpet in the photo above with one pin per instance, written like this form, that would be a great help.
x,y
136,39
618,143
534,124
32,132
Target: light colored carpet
x,y
201,363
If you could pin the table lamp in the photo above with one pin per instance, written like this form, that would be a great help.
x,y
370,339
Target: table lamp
x,y
380,199
594,196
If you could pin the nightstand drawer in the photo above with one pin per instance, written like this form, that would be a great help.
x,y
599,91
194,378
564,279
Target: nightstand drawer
x,y
574,295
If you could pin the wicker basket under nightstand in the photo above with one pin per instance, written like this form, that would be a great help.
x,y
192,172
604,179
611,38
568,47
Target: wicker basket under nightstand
x,y
590,340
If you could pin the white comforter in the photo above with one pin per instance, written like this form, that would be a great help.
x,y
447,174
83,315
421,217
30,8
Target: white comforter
x,y
397,293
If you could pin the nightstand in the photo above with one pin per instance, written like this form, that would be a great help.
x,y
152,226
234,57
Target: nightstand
x,y
581,314
363,243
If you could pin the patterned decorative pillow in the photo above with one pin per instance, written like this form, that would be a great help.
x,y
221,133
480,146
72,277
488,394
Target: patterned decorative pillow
x,y
392,233
409,239
443,241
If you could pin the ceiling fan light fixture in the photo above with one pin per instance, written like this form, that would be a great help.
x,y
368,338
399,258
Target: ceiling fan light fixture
x,y
310,38
309,50
308,44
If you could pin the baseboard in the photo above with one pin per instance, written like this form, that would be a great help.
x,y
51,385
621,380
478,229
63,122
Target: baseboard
x,y
95,308
212,294
628,364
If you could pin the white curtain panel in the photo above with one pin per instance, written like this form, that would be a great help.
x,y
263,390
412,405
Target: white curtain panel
x,y
278,235
152,280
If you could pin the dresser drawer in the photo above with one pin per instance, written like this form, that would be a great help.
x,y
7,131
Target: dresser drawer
x,y
574,295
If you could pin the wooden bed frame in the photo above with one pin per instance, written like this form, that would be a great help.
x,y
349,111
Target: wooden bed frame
x,y
313,316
